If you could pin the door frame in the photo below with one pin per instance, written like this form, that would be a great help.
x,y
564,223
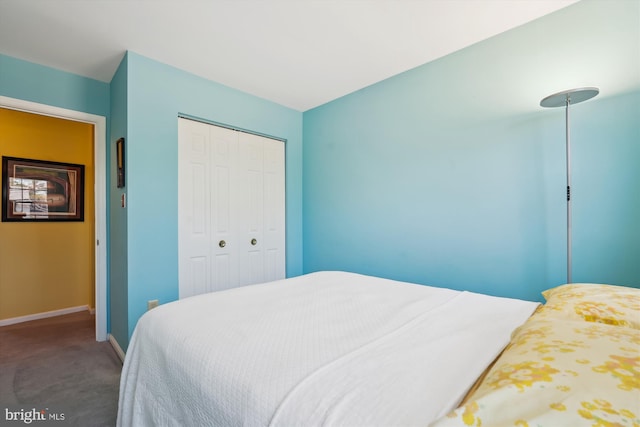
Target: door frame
x,y
99,162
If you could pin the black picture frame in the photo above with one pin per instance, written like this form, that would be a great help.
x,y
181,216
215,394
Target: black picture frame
x,y
41,190
120,162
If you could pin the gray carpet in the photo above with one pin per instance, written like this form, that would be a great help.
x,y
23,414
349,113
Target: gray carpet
x,y
56,365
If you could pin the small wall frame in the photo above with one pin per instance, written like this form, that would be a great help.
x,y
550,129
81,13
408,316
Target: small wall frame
x,y
120,162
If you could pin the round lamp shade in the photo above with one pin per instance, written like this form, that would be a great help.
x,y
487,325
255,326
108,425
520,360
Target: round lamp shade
x,y
571,96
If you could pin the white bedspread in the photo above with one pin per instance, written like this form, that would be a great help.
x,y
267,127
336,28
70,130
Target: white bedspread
x,y
327,348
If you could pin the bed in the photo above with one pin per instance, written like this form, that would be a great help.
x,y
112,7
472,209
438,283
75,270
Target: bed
x,y
326,348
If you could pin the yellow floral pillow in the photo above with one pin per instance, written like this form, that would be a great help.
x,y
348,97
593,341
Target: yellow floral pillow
x,y
568,373
610,304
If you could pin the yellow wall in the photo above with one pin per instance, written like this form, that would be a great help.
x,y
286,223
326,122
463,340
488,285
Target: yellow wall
x,y
47,266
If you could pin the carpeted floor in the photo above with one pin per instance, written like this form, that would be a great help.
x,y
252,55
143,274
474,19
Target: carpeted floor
x,y
55,365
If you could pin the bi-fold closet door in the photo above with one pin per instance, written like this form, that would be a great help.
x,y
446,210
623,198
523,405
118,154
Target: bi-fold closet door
x,y
231,208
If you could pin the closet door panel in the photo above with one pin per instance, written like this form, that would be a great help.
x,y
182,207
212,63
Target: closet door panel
x,y
251,208
274,210
194,230
224,190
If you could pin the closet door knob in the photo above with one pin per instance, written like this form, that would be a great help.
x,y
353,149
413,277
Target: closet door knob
x,y
222,243
254,242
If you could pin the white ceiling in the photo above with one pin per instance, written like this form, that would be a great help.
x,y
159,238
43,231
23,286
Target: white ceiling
x,y
298,53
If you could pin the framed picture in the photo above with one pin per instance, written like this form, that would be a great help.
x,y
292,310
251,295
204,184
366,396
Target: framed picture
x,y
37,190
120,161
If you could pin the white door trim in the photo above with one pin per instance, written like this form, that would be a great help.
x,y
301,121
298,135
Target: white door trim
x,y
100,161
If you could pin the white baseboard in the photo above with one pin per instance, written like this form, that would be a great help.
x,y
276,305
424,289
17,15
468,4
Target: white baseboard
x,y
36,316
116,347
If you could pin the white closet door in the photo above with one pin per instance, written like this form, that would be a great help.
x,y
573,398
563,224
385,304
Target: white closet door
x,y
194,201
231,208
224,190
274,210
262,212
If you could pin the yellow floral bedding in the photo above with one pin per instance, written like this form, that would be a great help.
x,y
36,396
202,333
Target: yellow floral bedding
x,y
613,305
561,369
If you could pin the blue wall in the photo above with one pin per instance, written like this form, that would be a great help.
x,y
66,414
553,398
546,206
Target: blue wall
x,y
36,83
157,93
607,190
451,174
118,287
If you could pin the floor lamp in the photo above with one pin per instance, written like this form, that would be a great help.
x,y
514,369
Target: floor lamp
x,y
565,99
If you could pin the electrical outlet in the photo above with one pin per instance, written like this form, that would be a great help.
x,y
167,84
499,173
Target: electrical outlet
x,y
153,303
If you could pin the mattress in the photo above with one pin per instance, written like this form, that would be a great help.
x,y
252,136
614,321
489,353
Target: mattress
x,y
326,348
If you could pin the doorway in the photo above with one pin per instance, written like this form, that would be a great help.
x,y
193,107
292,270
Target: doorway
x,y
100,249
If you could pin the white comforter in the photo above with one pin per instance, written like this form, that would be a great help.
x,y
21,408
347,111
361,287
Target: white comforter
x,y
327,348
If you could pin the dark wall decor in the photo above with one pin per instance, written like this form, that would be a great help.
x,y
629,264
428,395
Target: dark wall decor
x,y
120,161
38,190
